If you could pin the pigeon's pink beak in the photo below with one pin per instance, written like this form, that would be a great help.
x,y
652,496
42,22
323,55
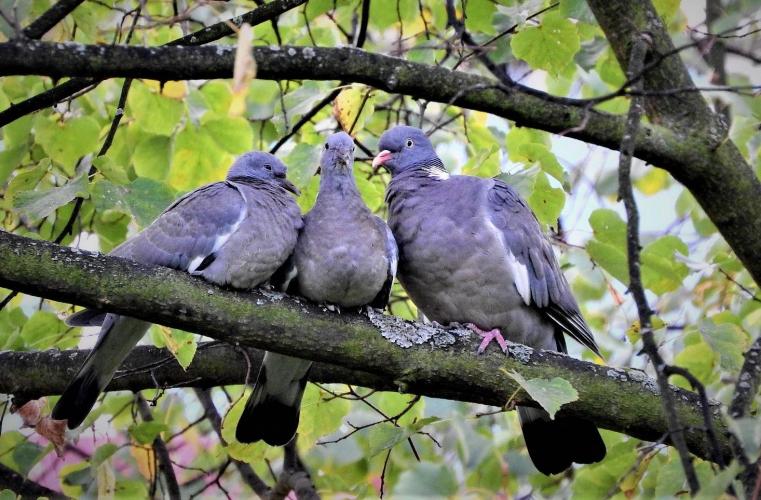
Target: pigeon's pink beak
x,y
381,159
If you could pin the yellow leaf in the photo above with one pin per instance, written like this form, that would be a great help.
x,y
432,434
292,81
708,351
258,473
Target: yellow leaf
x,y
106,481
352,107
145,459
244,70
631,480
653,181
171,89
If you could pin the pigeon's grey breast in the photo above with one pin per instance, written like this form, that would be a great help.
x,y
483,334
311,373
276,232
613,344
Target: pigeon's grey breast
x,y
341,253
453,261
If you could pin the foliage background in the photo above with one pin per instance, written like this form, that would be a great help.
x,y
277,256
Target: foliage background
x,y
177,136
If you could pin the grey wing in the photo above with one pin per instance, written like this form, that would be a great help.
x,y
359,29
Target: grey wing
x,y
185,236
392,255
538,278
188,233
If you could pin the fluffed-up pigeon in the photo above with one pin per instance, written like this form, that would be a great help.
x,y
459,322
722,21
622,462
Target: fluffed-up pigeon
x,y
345,256
471,251
237,232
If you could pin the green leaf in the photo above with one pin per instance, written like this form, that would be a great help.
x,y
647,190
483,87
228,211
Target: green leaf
x,y
42,328
197,160
318,416
550,394
531,153
232,134
699,359
661,272
75,479
103,453
146,432
608,227
479,16
153,112
728,340
151,157
111,171
65,143
181,344
546,201
426,480
302,162
10,160
549,46
143,198
383,437
39,204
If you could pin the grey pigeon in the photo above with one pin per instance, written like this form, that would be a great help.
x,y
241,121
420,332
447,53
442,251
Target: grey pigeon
x,y
345,256
471,251
237,232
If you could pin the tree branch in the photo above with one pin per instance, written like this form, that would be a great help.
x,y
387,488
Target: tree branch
x,y
247,473
691,154
626,194
50,18
621,400
12,480
210,34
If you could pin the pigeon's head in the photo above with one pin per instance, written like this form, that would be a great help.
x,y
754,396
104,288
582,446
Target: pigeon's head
x,y
338,154
262,166
402,148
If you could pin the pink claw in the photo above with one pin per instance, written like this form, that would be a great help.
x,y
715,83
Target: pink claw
x,y
488,336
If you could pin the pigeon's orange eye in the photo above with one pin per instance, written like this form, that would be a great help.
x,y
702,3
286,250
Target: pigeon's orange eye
x,y
410,143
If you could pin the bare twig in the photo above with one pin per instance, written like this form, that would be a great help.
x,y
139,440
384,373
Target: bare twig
x,y
676,433
249,476
162,454
294,477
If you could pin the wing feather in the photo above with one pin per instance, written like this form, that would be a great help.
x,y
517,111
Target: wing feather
x,y
530,255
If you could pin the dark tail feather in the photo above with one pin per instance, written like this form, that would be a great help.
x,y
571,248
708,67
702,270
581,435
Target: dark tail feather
x,y
272,412
118,336
78,398
554,445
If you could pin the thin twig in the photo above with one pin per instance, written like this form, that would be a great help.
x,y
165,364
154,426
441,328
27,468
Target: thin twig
x,y
162,454
625,193
247,473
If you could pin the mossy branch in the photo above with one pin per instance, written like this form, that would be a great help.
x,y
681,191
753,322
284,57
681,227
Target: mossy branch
x,y
436,362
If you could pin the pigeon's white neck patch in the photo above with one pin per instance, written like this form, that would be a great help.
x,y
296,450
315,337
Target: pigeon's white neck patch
x,y
437,172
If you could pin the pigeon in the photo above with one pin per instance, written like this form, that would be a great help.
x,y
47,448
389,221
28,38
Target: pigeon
x,y
237,233
472,252
346,257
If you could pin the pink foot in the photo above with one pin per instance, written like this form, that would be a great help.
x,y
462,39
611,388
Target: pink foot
x,y
487,337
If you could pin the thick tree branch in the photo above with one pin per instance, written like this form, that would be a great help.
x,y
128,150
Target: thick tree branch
x,y
691,154
267,12
24,488
621,400
50,18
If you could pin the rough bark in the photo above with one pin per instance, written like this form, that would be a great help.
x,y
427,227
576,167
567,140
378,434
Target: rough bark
x,y
445,367
690,147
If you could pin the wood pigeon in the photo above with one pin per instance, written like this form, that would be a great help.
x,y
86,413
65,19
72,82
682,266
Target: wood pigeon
x,y
237,232
345,256
471,251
